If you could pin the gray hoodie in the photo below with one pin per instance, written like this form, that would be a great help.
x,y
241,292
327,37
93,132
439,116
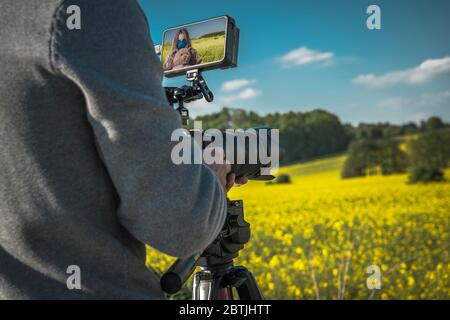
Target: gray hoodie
x,y
86,177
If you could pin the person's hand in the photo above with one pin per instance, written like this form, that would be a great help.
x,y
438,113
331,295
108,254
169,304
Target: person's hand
x,y
223,172
227,179
232,181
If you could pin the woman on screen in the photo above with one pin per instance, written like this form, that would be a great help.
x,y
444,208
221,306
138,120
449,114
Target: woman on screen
x,y
182,53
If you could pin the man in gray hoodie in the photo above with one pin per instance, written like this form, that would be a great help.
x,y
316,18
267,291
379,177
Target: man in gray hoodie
x,y
86,178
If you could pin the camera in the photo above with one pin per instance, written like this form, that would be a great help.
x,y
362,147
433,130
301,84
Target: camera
x,y
189,50
193,48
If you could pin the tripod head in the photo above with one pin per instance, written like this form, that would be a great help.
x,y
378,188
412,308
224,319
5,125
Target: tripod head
x,y
185,94
218,256
234,235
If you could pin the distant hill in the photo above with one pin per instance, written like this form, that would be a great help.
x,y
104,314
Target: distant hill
x,y
212,34
316,133
302,135
331,164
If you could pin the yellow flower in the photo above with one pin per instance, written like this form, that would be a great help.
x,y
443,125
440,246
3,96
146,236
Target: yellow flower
x,y
411,281
274,262
335,229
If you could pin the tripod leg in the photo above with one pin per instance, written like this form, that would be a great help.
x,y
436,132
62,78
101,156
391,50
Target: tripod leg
x,y
225,294
209,287
196,287
203,286
216,289
248,289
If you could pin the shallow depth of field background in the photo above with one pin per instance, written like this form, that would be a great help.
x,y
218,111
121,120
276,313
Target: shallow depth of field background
x,y
315,238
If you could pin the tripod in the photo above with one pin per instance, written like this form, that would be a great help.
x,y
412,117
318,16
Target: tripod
x,y
218,275
217,284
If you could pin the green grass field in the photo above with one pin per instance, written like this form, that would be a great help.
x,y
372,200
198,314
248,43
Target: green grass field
x,y
318,166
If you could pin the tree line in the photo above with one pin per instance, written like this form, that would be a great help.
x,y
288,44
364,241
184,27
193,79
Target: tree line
x,y
372,148
302,135
424,154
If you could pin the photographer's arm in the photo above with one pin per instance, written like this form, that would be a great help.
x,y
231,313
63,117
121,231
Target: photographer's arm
x,y
178,210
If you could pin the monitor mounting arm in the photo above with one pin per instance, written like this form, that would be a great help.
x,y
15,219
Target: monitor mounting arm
x,y
197,89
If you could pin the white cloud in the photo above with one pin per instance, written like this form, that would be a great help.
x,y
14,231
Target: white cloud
x,y
245,94
424,100
426,71
394,102
303,55
236,84
249,93
200,107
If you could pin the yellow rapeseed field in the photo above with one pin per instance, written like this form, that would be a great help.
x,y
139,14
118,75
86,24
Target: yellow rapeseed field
x,y
316,237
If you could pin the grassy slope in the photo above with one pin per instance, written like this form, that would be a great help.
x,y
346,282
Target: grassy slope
x,y
321,166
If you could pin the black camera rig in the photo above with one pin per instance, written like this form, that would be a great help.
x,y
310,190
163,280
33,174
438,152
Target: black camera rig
x,y
198,89
185,94
218,273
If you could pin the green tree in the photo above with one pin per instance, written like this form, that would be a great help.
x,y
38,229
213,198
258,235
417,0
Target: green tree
x,y
366,157
283,178
434,123
429,156
362,159
392,158
302,135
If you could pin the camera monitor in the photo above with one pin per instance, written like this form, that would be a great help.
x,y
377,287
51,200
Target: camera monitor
x,y
204,45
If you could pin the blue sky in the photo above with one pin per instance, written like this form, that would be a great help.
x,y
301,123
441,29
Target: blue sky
x,y
305,54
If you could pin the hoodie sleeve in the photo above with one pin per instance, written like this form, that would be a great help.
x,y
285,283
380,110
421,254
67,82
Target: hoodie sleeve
x,y
177,209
